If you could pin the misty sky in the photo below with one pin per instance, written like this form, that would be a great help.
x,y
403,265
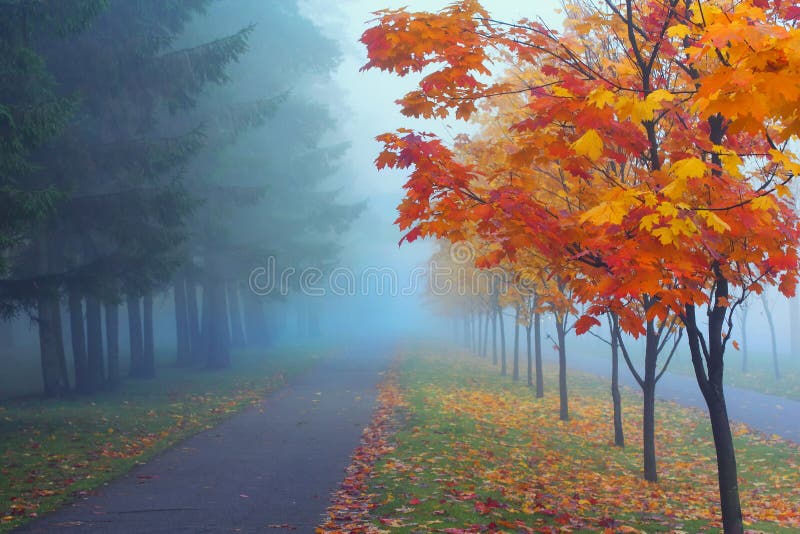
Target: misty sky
x,y
367,109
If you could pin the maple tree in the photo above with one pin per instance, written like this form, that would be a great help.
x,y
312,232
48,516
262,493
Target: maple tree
x,y
634,172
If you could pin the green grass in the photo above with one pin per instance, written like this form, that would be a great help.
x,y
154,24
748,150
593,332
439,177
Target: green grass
x,y
477,451
53,450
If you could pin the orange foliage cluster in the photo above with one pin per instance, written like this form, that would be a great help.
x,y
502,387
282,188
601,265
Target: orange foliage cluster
x,y
635,154
351,504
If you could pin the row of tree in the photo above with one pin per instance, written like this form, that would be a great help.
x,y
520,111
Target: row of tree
x,y
635,166
157,148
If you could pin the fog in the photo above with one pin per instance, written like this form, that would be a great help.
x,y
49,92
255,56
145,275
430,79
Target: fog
x,y
280,200
192,220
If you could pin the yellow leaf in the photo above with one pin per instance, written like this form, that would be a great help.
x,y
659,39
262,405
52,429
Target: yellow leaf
x,y
601,98
714,221
783,191
664,235
688,168
667,209
562,92
606,212
675,188
590,145
679,30
762,203
683,226
648,221
658,96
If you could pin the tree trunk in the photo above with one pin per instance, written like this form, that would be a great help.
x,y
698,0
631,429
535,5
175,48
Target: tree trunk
x,y
148,347
112,343
648,433
479,329
649,408
537,345
215,321
254,321
136,369
51,346
563,396
503,370
83,383
94,343
713,393
182,334
494,336
215,329
768,313
515,372
467,331
485,346
196,352
529,350
619,433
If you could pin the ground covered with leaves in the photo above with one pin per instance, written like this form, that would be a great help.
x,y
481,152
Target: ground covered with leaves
x,y
52,451
478,453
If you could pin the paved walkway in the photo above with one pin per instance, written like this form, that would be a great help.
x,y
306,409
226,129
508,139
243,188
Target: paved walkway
x,y
268,469
767,413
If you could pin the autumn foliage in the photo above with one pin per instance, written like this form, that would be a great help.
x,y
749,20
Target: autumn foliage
x,y
642,154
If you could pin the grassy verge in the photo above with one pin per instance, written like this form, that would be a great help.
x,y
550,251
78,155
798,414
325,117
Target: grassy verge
x,y
479,453
53,451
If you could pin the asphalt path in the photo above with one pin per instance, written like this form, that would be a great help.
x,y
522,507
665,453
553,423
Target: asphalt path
x,y
766,413
270,468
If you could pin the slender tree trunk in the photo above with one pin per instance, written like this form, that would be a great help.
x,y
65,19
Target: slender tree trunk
x,y
494,335
467,332
196,351
649,410
619,433
711,386
112,343
485,347
136,369
563,395
503,370
529,350
215,319
515,373
51,345
537,345
711,383
473,327
768,313
218,334
182,333
148,342
479,331
94,343
254,321
83,383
